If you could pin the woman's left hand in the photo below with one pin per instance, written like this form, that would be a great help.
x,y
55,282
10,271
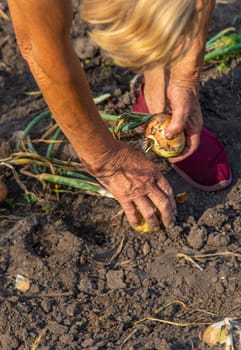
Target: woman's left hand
x,y
182,97
176,91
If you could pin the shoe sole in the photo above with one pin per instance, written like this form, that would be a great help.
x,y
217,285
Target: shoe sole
x,y
219,186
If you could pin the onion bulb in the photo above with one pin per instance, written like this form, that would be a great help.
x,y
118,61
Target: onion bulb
x,y
156,139
144,226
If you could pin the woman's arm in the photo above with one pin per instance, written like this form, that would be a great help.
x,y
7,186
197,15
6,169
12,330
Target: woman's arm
x,y
178,88
43,32
183,88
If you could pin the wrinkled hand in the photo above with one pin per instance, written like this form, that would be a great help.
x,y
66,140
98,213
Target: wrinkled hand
x,y
183,102
176,91
138,184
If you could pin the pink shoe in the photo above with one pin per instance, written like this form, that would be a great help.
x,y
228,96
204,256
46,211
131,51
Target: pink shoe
x,y
207,168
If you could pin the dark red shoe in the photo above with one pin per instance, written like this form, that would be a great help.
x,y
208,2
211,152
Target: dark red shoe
x,y
207,168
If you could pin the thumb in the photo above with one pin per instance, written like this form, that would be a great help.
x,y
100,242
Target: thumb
x,y
177,124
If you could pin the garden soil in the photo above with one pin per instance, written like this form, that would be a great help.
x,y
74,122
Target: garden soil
x,y
94,283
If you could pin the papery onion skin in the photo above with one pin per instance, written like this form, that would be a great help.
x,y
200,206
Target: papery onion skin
x,y
155,133
144,226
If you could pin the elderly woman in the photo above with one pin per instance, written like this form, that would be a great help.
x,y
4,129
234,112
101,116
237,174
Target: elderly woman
x,y
157,37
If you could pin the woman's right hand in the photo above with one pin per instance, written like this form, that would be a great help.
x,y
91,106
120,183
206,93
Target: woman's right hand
x,y
138,184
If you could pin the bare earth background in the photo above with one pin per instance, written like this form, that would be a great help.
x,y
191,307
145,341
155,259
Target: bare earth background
x,y
92,277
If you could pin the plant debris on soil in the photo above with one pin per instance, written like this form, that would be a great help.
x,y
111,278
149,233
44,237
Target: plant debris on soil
x,y
92,282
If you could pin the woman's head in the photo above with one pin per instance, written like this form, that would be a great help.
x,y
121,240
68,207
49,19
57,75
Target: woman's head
x,y
141,34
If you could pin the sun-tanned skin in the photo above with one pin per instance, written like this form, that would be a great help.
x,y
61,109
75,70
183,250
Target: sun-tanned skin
x,y
43,28
178,90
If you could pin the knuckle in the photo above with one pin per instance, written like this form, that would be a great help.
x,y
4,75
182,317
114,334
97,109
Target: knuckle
x,y
149,214
132,218
131,214
163,204
169,192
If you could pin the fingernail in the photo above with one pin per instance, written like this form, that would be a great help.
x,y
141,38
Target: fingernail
x,y
168,136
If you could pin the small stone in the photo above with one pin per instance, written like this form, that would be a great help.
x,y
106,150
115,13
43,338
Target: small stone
x,y
214,279
115,279
56,328
146,249
197,237
46,305
66,339
146,283
101,344
232,286
219,288
218,240
87,342
85,285
131,253
67,322
213,217
70,310
8,342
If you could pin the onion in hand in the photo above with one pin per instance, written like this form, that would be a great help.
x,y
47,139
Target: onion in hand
x,y
156,138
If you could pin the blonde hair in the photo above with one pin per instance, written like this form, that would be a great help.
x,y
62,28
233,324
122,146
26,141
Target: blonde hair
x,y
140,34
